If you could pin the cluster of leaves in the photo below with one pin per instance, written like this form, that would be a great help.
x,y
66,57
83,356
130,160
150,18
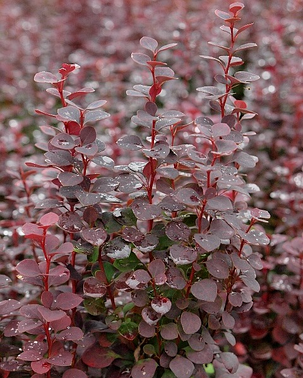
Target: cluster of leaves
x,y
151,259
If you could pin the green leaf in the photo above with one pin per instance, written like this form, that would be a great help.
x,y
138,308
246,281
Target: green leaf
x,y
128,307
128,329
94,306
110,223
128,264
109,270
125,216
93,257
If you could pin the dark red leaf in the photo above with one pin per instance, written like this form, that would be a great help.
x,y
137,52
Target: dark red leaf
x,y
144,369
205,290
190,322
181,367
98,357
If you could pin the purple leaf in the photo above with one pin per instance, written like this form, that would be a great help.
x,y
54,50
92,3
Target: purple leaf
x,y
96,104
88,135
218,268
67,301
220,129
143,210
196,342
146,330
58,275
182,255
188,196
98,357
177,231
175,279
72,333
51,315
28,268
169,331
208,242
205,290
74,373
204,356
70,222
190,322
94,236
181,367
144,369
4,281
63,141
69,178
60,158
130,142
9,305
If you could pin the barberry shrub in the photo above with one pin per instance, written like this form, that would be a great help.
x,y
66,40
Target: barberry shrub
x,y
140,269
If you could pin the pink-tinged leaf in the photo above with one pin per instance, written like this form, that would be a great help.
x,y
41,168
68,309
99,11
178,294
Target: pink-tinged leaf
x,y
236,7
94,236
58,275
61,324
181,367
246,77
47,299
220,203
190,322
223,15
149,43
29,325
41,367
94,288
177,231
89,150
144,369
130,142
30,355
138,279
143,210
98,357
201,357
67,301
156,267
166,47
95,115
9,305
70,178
70,222
182,255
80,92
32,231
150,316
218,268
235,299
207,241
49,219
74,373
242,28
50,315
188,196
72,334
28,268
117,249
220,129
245,46
175,278
140,58
205,290
160,151
45,77
63,358
161,305
224,147
96,104
63,141
68,113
